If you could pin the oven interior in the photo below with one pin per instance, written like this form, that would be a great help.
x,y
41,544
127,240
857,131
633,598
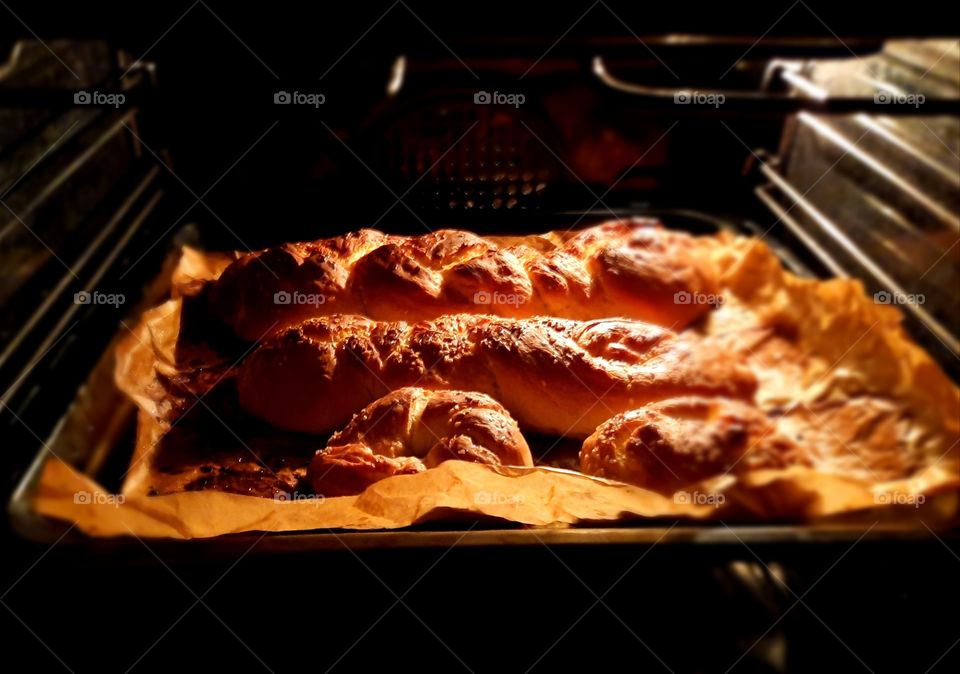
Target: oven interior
x,y
840,153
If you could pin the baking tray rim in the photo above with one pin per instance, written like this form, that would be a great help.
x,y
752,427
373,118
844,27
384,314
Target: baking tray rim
x,y
37,528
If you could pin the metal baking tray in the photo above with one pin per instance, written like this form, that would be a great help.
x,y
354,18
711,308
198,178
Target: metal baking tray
x,y
96,436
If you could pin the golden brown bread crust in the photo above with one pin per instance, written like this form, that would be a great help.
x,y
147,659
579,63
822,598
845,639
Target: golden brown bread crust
x,y
675,443
411,430
553,375
632,269
671,444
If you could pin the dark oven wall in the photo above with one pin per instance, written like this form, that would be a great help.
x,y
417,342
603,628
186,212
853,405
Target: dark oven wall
x,y
496,119
554,138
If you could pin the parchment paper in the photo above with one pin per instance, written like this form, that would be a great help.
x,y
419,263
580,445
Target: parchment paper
x,y
834,364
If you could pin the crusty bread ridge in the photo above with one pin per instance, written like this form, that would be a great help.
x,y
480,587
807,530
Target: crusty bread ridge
x,y
553,375
630,268
413,429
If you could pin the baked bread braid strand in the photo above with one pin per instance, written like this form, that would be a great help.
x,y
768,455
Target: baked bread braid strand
x,y
555,376
632,269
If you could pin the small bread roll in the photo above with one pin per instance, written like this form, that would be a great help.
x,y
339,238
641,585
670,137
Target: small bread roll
x,y
668,445
411,430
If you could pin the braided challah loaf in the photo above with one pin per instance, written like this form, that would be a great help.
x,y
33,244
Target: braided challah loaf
x,y
633,269
553,375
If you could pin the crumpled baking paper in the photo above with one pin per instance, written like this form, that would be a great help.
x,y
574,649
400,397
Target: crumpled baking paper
x,y
836,366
